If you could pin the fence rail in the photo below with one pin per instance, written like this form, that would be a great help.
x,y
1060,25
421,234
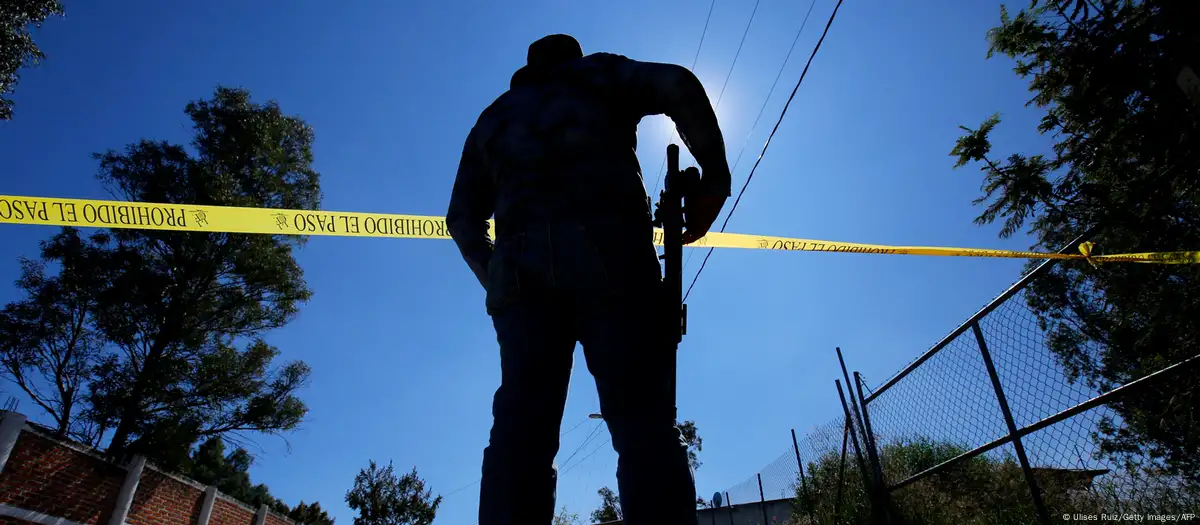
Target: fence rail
x,y
987,425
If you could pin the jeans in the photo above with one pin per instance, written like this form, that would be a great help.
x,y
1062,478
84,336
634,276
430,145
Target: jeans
x,y
629,353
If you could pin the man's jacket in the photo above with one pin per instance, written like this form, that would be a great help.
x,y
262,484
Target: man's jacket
x,y
554,160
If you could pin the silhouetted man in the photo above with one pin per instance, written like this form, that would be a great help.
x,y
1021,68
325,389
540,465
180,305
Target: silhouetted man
x,y
573,261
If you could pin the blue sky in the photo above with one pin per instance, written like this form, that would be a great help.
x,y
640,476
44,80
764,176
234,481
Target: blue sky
x,y
404,357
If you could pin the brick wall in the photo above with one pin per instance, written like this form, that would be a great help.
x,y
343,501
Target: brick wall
x,y
276,520
163,500
50,478
228,513
50,482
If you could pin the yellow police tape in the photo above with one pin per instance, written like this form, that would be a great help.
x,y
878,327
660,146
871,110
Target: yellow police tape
x,y
196,218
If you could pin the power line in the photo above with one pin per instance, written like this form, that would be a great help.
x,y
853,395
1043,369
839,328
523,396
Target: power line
x,y
476,482
460,489
695,60
590,454
768,142
728,75
763,108
572,429
737,53
770,92
703,32
586,441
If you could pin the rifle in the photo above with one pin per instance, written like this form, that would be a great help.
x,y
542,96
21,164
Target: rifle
x,y
668,215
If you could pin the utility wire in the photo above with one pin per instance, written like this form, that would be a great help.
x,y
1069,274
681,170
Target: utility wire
x,y
763,108
476,482
586,441
736,54
590,454
774,84
695,60
703,32
728,75
768,142
572,429
460,489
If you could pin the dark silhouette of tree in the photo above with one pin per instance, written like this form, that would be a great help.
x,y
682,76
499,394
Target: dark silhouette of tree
x,y
1125,160
565,518
48,342
151,340
691,436
183,303
310,514
610,507
230,473
382,498
17,48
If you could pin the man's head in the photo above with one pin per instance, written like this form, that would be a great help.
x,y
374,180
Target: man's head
x,y
544,55
550,51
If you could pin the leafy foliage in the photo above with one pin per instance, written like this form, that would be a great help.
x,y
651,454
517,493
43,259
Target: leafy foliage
x,y
151,340
691,436
230,473
310,514
17,48
382,498
48,341
566,518
184,302
610,507
1124,165
980,490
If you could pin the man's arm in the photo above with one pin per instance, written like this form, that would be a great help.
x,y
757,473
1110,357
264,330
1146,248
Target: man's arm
x,y
471,205
669,89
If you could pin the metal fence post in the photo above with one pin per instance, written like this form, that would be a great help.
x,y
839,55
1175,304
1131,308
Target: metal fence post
x,y
862,465
762,500
804,496
873,483
873,450
837,502
1035,493
730,507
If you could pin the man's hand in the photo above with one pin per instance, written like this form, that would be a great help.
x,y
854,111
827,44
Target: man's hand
x,y
699,212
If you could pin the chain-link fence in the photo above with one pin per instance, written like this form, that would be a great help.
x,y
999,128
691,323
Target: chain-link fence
x,y
829,485
989,426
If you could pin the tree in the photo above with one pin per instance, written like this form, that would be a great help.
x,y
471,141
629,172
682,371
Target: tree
x,y
565,518
691,436
609,509
17,48
381,498
310,514
702,503
151,340
183,303
48,343
230,473
1123,165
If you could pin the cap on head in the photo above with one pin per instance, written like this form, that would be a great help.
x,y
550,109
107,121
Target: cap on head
x,y
552,50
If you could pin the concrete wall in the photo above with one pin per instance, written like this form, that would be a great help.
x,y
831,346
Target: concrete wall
x,y
779,512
